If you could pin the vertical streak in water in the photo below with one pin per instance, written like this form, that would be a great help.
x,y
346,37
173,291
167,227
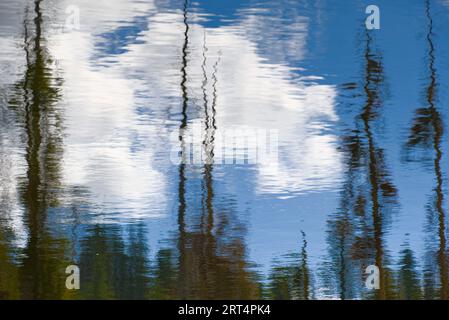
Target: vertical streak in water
x,y
208,143
41,261
204,84
34,138
436,124
208,169
342,271
215,96
304,269
208,165
427,133
182,178
366,116
185,98
208,243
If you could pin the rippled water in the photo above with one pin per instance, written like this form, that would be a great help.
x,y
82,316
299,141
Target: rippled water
x,y
86,177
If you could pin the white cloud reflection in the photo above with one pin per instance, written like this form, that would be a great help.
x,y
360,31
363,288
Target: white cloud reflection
x,y
12,162
102,124
119,109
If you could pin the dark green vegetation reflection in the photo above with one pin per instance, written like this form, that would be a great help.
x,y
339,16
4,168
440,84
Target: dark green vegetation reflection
x,y
85,171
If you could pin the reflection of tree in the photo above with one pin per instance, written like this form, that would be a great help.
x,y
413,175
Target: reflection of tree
x,y
409,282
292,280
426,134
42,269
113,260
209,260
356,231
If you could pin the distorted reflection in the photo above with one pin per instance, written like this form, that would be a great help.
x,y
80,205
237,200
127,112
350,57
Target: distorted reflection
x,y
86,176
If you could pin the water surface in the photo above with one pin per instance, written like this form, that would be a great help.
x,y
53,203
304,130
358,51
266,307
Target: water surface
x,y
86,176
